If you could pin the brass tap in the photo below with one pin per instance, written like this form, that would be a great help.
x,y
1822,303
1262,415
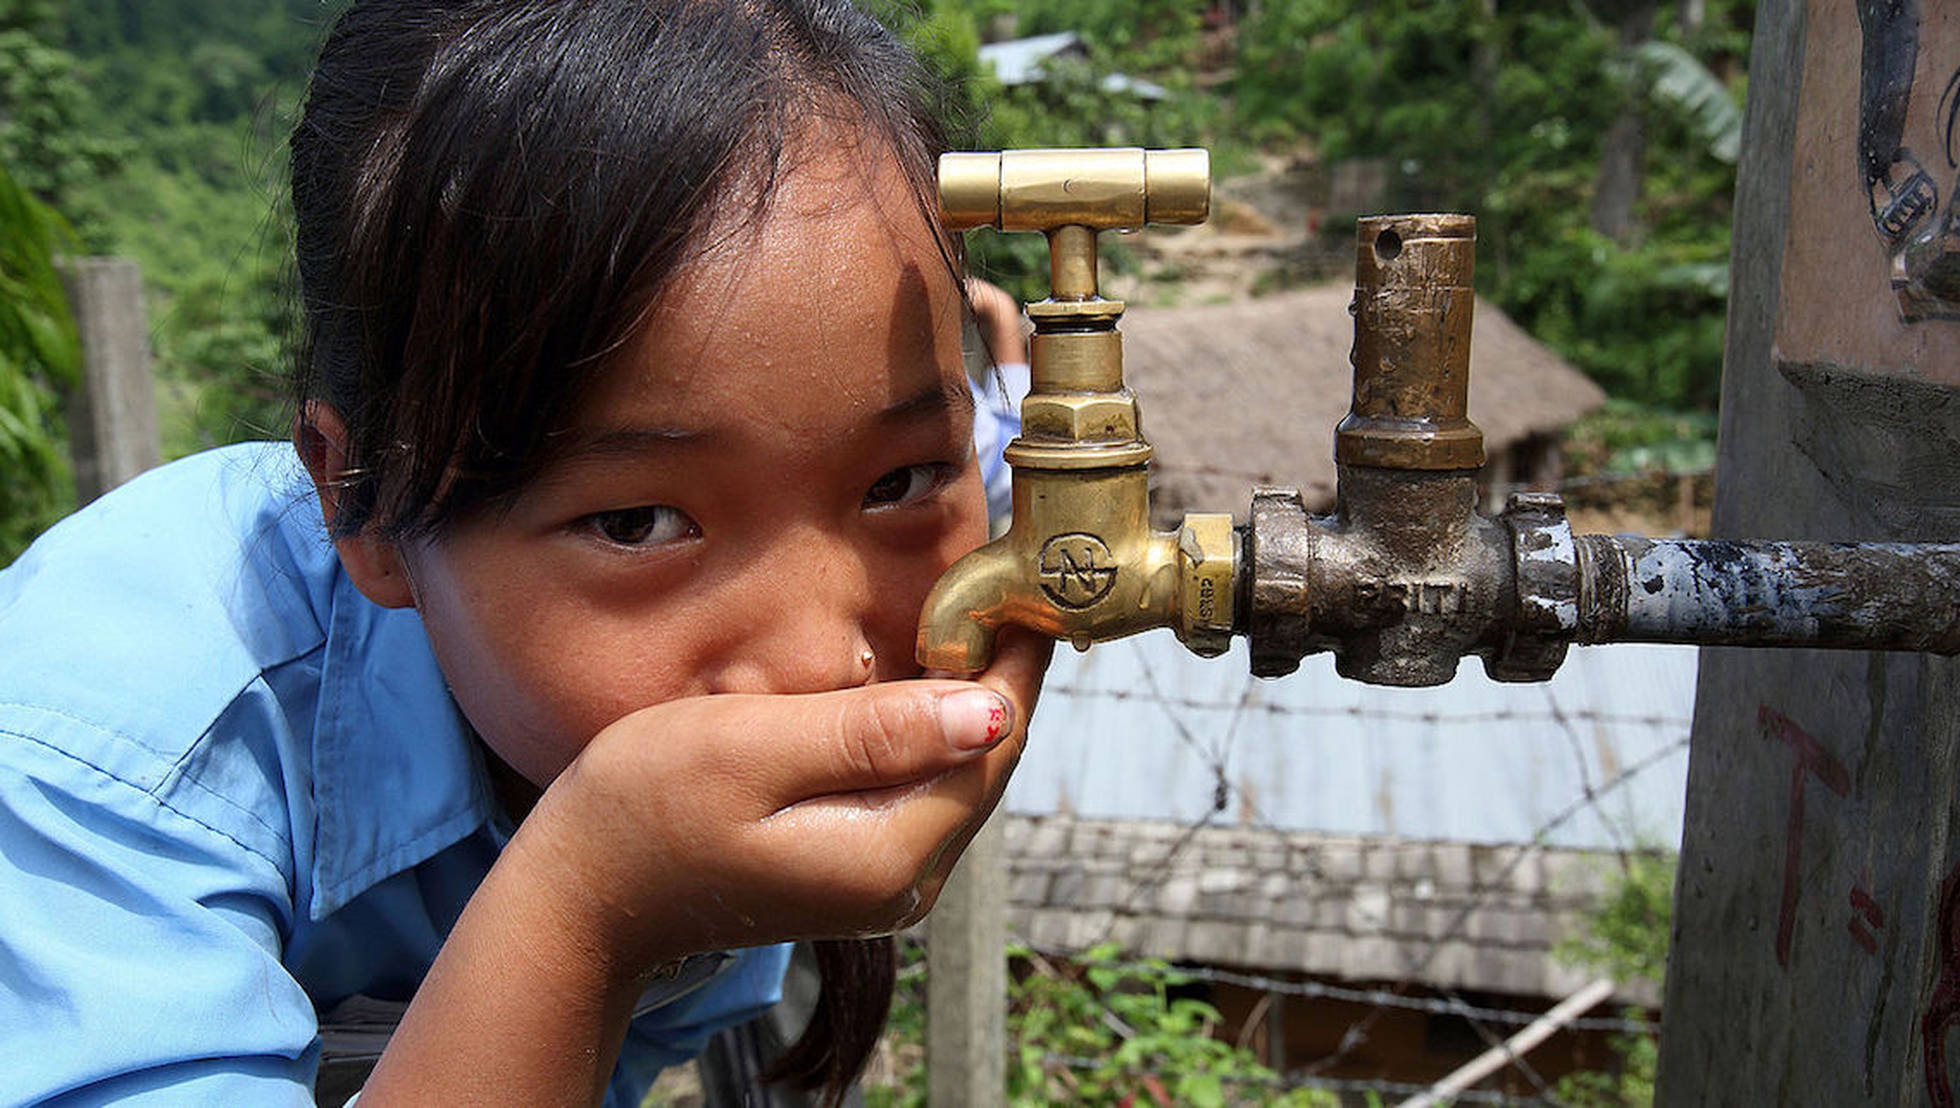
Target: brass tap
x,y
1407,577
1080,560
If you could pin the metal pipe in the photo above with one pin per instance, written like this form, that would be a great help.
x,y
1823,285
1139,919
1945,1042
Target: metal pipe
x,y
1858,596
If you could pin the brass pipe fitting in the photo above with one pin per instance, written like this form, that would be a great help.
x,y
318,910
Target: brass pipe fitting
x,y
1407,577
1080,560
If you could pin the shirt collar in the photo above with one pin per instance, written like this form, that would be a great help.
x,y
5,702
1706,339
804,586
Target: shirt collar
x,y
398,775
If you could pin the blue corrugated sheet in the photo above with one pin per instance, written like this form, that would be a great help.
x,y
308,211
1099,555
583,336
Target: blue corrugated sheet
x,y
1141,729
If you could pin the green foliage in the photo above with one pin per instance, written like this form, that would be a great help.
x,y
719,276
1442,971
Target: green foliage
x,y
49,140
1623,438
211,87
39,353
1646,322
1631,1087
1102,1029
46,156
1679,79
1502,110
1626,939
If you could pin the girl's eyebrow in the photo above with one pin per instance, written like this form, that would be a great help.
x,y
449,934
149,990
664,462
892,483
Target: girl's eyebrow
x,y
935,399
620,441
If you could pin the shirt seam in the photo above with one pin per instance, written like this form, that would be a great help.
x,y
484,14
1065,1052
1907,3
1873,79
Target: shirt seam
x,y
111,776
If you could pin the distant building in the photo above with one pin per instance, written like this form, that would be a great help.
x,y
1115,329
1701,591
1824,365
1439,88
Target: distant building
x,y
1027,61
1249,393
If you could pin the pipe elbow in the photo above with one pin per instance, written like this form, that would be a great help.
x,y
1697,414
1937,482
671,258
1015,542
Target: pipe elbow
x,y
964,612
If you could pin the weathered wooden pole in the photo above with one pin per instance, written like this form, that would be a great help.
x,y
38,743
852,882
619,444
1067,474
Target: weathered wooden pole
x,y
966,979
1816,954
112,412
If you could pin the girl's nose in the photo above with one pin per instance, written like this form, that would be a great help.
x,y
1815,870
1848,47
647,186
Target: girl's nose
x,y
811,629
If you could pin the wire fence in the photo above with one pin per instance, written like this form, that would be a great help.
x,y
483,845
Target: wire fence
x,y
1208,725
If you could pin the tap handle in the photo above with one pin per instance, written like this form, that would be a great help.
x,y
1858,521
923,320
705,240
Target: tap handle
x,y
1116,189
1070,195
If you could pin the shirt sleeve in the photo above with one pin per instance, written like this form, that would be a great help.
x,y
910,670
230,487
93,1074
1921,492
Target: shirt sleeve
x,y
997,397
745,985
139,944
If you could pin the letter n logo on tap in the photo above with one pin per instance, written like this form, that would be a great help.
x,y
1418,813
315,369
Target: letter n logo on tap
x,y
1076,569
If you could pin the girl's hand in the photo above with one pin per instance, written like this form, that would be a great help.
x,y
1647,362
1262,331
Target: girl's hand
x,y
737,820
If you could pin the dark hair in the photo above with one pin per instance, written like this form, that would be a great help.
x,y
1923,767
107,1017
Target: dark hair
x,y
489,194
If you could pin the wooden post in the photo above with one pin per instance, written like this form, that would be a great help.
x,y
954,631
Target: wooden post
x,y
966,979
112,413
1276,1031
1816,953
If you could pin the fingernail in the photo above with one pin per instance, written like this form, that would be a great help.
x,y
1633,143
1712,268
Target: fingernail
x,y
975,718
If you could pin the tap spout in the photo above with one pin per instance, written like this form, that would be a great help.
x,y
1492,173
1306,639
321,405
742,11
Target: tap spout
x,y
1081,563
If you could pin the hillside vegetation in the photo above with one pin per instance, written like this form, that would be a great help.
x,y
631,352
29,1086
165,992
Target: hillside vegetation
x,y
1595,141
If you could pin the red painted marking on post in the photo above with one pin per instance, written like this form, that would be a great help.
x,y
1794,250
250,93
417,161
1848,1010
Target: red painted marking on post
x,y
1943,1009
1872,913
1812,757
1862,900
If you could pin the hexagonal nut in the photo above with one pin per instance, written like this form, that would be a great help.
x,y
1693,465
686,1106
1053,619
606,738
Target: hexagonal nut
x,y
1208,563
1079,417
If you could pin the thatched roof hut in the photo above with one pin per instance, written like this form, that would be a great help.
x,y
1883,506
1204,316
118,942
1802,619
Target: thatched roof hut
x,y
1248,393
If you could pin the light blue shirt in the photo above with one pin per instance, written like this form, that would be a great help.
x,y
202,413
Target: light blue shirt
x,y
997,396
233,793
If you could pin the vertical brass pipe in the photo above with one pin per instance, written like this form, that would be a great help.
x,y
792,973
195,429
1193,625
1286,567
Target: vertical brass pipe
x,y
1072,263
1414,297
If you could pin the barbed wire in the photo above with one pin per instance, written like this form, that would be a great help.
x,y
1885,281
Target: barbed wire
x,y
1378,713
1572,483
1381,1000
1357,1031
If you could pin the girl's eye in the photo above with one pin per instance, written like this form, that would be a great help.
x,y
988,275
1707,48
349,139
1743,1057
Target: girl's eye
x,y
646,525
906,484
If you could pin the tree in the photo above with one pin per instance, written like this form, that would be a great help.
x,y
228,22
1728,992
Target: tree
x,y
1608,243
38,354
46,138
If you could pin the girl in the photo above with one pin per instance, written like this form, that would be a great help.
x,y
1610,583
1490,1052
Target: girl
x,y
632,402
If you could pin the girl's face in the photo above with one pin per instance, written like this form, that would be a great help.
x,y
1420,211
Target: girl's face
x,y
763,487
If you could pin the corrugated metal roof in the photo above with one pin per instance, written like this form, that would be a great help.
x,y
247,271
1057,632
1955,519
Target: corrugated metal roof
x,y
1447,915
1596,758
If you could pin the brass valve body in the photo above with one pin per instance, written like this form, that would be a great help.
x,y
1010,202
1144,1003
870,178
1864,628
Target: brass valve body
x,y
1080,561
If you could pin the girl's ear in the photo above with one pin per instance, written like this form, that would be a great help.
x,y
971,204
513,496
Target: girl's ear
x,y
373,563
